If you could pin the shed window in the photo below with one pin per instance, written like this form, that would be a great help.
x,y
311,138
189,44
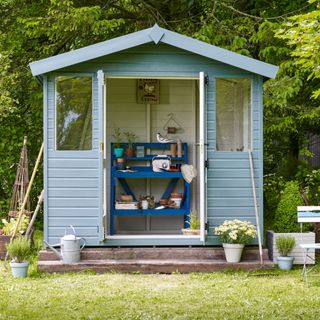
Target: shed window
x,y
74,113
233,105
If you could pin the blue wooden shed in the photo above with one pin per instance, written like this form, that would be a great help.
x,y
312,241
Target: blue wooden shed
x,y
207,97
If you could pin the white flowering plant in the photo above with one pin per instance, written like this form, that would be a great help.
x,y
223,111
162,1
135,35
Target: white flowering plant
x,y
236,231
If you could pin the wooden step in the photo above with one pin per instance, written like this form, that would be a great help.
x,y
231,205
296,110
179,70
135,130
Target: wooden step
x,y
151,266
158,253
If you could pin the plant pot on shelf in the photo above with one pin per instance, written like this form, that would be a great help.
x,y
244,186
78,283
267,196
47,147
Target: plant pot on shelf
x,y
118,152
233,252
19,270
130,152
285,263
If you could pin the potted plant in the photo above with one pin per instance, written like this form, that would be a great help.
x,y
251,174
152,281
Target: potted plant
x,y
194,225
285,244
7,230
131,138
235,234
19,250
118,150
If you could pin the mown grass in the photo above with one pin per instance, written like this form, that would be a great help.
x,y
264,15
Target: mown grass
x,y
227,295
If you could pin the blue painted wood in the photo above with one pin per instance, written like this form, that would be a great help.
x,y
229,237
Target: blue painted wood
x,y
170,188
147,172
155,34
126,188
151,212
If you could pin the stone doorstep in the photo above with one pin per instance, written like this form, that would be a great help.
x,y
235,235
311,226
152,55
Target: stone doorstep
x,y
151,266
213,253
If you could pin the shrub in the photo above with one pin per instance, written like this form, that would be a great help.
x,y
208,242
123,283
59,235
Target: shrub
x,y
285,244
19,249
273,187
286,213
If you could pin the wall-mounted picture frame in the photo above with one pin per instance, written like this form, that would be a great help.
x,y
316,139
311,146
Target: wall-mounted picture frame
x,y
148,91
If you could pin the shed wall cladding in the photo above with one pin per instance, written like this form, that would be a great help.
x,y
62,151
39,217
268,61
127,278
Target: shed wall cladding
x,y
73,177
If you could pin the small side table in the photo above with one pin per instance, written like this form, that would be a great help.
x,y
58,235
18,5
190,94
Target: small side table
x,y
305,250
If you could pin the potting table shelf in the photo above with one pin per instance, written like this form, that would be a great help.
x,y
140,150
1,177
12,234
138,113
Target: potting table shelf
x,y
153,212
144,172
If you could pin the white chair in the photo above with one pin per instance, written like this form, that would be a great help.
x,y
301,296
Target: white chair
x,y
308,214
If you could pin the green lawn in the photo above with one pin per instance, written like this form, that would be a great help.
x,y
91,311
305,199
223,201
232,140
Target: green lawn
x,y
176,296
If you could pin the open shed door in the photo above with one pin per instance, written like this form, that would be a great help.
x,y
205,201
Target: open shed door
x,y
102,153
202,155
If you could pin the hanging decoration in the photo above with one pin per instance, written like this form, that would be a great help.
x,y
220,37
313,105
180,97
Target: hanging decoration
x,y
172,125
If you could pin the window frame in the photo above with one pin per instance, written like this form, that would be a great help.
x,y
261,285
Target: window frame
x,y
55,78
248,77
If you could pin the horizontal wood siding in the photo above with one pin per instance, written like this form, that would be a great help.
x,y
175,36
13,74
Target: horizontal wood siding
x,y
73,181
229,185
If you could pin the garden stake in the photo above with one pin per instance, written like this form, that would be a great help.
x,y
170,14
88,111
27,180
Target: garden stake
x,y
25,200
255,205
34,216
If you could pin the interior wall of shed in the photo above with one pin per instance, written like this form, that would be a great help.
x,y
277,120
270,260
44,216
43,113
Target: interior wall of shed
x,y
177,96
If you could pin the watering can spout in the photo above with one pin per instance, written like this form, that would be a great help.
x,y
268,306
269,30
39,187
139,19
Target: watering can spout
x,y
53,249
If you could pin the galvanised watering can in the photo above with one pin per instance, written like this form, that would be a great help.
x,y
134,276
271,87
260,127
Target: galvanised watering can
x,y
70,247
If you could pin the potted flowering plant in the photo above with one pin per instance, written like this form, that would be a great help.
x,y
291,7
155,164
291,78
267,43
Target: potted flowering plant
x,y
234,234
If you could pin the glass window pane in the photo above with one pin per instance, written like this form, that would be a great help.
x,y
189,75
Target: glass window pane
x,y
74,113
233,113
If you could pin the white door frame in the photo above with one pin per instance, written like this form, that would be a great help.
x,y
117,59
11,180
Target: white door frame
x,y
202,169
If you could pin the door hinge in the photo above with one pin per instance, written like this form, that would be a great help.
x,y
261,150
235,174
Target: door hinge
x,y
101,146
206,80
206,164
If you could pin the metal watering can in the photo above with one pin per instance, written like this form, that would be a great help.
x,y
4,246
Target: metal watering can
x,y
69,246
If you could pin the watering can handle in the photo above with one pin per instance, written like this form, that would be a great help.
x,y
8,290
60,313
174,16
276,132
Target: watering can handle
x,y
84,243
70,227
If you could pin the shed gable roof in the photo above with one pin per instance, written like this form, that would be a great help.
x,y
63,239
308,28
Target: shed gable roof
x,y
155,34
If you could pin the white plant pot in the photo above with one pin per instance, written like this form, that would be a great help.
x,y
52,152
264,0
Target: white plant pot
x,y
19,270
233,252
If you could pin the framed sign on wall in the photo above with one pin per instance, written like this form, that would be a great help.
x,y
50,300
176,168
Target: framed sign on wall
x,y
148,91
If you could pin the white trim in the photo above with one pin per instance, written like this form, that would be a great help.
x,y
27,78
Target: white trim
x,y
143,236
308,208
153,77
308,219
202,159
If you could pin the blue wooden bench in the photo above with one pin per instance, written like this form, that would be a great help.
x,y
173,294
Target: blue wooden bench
x,y
308,214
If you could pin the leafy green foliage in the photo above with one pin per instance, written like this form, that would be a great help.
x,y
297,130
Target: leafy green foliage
x,y
285,219
285,244
9,226
19,249
194,221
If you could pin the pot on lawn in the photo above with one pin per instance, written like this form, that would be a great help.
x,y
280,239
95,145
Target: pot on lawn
x,y
19,269
233,252
285,263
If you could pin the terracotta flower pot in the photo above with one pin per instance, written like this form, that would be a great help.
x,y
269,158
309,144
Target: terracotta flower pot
x,y
130,152
190,232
